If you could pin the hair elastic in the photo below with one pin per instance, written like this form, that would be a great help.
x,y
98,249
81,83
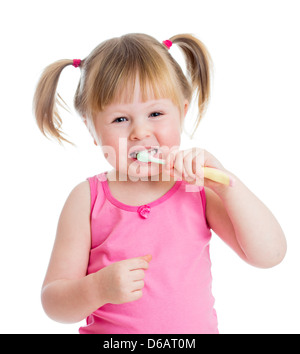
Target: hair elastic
x,y
76,63
168,43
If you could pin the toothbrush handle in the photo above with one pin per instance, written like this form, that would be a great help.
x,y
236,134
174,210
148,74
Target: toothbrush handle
x,y
156,160
218,176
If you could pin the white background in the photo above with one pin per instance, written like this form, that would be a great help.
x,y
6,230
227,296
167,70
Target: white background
x,y
251,126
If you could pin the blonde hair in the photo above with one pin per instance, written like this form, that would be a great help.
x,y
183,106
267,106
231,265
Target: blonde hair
x,y
113,67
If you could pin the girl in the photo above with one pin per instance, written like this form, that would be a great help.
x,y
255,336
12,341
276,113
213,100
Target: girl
x,y
132,246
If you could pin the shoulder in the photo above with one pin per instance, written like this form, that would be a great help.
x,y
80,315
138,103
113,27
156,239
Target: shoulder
x,y
80,195
72,244
77,205
81,190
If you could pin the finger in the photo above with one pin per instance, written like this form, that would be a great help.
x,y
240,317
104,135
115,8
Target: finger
x,y
137,274
188,165
137,263
183,166
198,164
178,165
170,159
147,258
135,295
137,285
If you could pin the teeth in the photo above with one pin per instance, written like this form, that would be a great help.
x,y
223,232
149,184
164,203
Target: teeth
x,y
152,152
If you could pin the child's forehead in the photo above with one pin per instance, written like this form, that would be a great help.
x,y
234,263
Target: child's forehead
x,y
134,91
135,94
151,103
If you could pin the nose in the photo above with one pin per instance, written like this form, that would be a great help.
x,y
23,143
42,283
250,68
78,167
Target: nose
x,y
140,131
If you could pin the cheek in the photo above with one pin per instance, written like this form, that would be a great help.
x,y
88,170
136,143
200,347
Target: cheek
x,y
169,133
170,139
115,150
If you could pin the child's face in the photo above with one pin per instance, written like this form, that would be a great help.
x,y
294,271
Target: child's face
x,y
123,128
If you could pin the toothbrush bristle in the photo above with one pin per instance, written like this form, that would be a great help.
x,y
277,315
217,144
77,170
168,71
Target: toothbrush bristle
x,y
143,156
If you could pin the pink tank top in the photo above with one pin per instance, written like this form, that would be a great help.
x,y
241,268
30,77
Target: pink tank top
x,y
177,295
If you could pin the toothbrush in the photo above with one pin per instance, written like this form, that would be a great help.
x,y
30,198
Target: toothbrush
x,y
210,173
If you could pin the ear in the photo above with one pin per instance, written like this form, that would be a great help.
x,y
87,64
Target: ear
x,y
85,122
186,107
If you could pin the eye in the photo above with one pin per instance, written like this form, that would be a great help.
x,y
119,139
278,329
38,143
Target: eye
x,y
155,114
120,120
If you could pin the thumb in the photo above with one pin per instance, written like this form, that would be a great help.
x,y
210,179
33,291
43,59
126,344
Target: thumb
x,y
147,258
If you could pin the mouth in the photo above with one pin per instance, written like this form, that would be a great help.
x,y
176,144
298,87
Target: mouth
x,y
152,151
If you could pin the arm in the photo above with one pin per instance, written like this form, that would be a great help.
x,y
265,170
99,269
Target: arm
x,y
234,213
68,295
238,217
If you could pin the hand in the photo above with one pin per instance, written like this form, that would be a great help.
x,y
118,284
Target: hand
x,y
188,165
123,281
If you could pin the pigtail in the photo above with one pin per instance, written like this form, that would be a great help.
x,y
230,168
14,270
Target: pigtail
x,y
199,65
46,101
